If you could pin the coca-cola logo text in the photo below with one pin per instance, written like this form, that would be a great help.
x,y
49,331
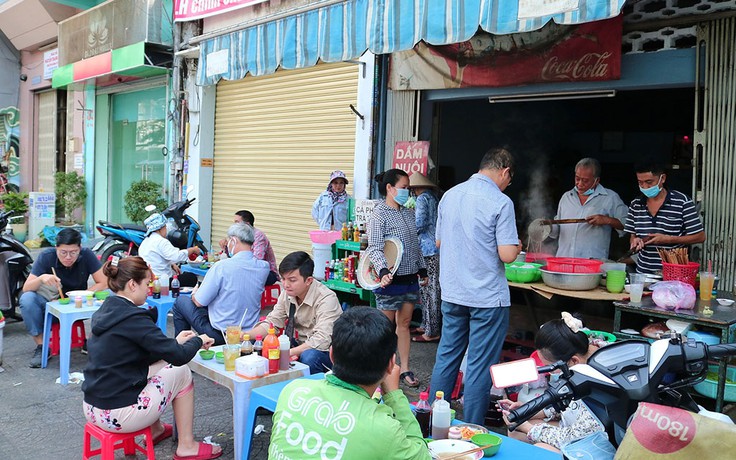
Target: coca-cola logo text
x,y
587,67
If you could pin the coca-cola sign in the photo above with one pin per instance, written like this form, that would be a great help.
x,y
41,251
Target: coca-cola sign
x,y
555,53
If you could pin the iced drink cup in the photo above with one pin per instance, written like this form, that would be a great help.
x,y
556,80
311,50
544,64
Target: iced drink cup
x,y
706,285
637,286
232,335
230,353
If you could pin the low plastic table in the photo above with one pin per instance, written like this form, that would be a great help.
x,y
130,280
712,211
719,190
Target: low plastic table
x,y
240,388
163,305
67,315
196,270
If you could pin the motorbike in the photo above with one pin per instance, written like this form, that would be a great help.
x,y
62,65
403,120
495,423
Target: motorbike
x,y
124,239
17,261
621,375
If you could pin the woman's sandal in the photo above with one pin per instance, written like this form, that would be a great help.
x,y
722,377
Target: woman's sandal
x,y
409,379
167,433
423,338
205,452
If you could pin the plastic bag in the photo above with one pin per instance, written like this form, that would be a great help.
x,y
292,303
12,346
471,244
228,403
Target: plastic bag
x,y
674,295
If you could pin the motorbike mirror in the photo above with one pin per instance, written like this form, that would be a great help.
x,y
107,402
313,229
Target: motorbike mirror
x,y
150,208
514,373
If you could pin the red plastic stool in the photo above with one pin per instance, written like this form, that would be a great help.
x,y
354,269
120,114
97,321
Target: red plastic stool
x,y
270,295
110,442
78,337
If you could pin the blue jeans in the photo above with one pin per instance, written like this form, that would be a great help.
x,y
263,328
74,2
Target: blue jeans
x,y
189,316
316,360
33,309
485,329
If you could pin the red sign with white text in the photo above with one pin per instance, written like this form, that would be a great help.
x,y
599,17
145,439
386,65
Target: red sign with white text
x,y
411,157
555,53
189,10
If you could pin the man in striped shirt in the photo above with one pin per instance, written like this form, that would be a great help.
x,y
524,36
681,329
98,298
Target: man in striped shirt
x,y
660,218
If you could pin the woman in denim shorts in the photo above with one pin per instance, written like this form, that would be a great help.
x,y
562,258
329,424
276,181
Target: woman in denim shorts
x,y
399,291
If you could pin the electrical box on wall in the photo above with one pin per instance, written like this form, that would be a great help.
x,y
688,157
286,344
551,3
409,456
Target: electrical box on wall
x,y
73,145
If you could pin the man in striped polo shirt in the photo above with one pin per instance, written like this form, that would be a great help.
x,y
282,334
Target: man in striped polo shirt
x,y
660,218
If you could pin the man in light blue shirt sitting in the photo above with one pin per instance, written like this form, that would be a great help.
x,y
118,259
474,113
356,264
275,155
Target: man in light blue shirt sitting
x,y
230,293
476,234
601,208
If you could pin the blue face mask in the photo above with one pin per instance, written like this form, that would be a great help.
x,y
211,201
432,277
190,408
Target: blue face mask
x,y
651,192
587,192
402,195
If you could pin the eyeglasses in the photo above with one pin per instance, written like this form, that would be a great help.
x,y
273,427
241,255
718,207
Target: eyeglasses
x,y
68,253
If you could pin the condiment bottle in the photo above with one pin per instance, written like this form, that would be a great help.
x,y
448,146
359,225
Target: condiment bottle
x,y
78,301
454,433
258,345
344,231
423,412
271,342
246,348
327,270
273,360
156,288
440,417
284,347
356,234
175,287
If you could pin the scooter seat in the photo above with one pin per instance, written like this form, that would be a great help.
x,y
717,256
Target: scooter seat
x,y
134,227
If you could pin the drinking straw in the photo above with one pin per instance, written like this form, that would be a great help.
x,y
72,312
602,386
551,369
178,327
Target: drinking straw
x,y
241,319
223,336
710,266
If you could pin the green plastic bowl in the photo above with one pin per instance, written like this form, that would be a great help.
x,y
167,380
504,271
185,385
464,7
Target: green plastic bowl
x,y
483,439
102,295
220,357
65,301
606,335
521,272
206,354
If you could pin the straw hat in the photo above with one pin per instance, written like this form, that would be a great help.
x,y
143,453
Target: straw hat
x,y
420,180
367,276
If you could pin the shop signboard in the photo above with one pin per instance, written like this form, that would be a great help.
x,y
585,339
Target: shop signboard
x,y
41,211
50,62
554,53
362,210
189,10
411,157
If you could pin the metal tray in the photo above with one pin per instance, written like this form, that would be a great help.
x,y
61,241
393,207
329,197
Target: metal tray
x,y
570,281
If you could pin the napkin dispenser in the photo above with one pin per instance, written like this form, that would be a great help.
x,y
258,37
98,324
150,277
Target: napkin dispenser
x,y
251,366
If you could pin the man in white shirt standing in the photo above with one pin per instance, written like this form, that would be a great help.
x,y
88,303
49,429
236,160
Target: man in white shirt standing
x,y
161,255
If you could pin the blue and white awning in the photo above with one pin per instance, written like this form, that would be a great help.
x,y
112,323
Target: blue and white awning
x,y
344,31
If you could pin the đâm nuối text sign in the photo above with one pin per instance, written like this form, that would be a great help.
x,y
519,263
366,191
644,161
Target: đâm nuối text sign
x,y
411,157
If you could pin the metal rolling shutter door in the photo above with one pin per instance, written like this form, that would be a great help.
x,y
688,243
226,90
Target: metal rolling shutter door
x,y
277,138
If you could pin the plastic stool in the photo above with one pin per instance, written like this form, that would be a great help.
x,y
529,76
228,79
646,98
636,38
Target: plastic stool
x,y
110,442
266,397
270,295
78,336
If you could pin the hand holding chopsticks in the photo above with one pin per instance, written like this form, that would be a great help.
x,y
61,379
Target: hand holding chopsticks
x,y
58,286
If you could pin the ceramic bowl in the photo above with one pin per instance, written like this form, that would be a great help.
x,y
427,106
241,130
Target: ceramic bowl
x,y
725,302
206,354
485,439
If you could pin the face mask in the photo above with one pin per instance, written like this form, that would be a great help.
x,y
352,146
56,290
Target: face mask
x,y
229,251
651,192
587,192
402,195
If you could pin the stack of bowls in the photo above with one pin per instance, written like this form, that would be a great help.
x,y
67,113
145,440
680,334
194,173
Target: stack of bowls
x,y
615,280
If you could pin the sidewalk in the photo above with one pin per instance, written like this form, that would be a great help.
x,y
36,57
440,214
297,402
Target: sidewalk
x,y
42,419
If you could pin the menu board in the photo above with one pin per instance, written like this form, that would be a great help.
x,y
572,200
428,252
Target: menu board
x,y
41,212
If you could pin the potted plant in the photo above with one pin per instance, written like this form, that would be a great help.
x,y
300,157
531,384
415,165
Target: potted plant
x,y
70,194
16,202
141,194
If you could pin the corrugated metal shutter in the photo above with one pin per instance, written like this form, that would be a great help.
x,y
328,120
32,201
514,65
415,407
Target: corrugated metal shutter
x,y
46,141
277,138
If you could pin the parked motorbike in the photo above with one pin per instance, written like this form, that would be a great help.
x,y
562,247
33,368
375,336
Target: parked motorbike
x,y
17,261
621,375
125,239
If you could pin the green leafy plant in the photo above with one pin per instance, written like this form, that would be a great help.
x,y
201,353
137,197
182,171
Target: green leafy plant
x,y
16,202
70,193
140,194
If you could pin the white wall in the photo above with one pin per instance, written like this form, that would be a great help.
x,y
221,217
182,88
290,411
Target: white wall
x,y
364,133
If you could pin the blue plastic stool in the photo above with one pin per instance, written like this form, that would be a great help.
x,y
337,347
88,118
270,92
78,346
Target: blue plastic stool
x,y
265,397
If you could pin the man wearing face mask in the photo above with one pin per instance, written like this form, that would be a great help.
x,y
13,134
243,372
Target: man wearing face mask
x,y
602,209
660,218
230,292
162,256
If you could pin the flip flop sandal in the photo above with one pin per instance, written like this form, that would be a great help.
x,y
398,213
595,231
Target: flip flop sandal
x,y
416,331
167,433
203,453
423,339
412,381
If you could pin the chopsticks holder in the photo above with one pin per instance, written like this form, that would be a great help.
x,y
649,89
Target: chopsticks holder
x,y
61,294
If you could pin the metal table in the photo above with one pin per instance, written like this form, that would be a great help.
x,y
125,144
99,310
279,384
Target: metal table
x,y
240,388
722,318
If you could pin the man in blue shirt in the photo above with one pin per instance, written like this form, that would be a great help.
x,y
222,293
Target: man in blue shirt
x,y
231,289
476,234
73,266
